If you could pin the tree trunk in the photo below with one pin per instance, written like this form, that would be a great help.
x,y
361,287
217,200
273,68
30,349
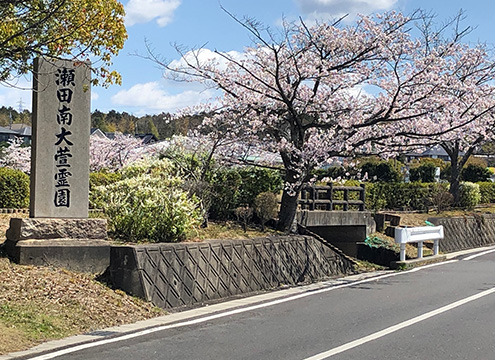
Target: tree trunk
x,y
288,209
455,177
290,197
455,184
457,162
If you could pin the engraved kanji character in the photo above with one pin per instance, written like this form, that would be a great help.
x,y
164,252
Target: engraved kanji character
x,y
63,137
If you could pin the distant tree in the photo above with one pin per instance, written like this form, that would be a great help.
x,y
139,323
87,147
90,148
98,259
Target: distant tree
x,y
76,29
153,129
16,156
466,119
6,115
377,170
113,154
99,121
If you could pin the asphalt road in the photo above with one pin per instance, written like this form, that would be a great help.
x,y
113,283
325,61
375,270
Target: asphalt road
x,y
439,312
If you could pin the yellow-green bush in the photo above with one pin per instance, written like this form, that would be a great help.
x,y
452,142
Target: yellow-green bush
x,y
14,189
487,192
470,195
147,205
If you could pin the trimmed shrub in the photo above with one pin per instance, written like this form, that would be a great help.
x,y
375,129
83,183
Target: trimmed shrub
x,y
423,173
239,186
470,195
266,207
256,180
375,196
382,171
475,173
487,191
102,178
225,193
411,196
14,189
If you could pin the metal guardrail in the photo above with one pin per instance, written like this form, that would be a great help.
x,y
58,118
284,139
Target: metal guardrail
x,y
324,197
418,234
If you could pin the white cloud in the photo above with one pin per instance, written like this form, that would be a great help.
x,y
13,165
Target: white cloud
x,y
152,98
203,56
94,95
334,9
143,11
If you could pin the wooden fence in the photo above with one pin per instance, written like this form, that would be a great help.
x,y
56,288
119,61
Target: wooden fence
x,y
332,198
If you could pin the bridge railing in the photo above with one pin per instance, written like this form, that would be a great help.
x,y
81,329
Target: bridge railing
x,y
318,197
418,234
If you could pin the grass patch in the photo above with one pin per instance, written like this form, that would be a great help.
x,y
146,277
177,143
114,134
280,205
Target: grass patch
x,y
40,304
31,321
227,230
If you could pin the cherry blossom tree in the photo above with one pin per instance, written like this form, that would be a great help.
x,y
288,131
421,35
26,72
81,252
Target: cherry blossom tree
x,y
113,154
105,153
465,120
313,92
16,156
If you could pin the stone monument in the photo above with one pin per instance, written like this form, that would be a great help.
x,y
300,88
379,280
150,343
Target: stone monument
x,y
58,231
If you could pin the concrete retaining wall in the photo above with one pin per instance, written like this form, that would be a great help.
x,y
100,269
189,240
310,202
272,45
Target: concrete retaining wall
x,y
172,275
466,232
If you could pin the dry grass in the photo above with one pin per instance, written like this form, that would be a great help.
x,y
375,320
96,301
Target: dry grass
x,y
227,230
39,304
418,219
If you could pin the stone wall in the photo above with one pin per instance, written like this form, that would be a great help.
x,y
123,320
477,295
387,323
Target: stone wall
x,y
466,232
172,275
75,244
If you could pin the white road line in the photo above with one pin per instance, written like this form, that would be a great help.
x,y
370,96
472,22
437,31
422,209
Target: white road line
x,y
394,328
477,255
432,265
223,314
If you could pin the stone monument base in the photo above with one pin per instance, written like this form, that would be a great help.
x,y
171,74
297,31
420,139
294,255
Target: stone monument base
x,y
74,244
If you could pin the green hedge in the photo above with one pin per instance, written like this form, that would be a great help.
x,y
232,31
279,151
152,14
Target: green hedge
x,y
487,190
419,196
14,189
240,186
413,196
103,178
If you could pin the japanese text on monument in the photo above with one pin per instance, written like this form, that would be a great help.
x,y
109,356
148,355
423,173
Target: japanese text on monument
x,y
65,80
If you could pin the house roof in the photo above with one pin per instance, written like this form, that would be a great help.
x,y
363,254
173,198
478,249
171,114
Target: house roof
x,y
436,150
97,132
4,130
147,138
17,129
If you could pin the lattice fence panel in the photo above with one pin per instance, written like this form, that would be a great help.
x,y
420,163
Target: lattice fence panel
x,y
174,275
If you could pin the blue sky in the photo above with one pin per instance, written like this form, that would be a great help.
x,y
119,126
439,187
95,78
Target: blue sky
x,y
194,23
